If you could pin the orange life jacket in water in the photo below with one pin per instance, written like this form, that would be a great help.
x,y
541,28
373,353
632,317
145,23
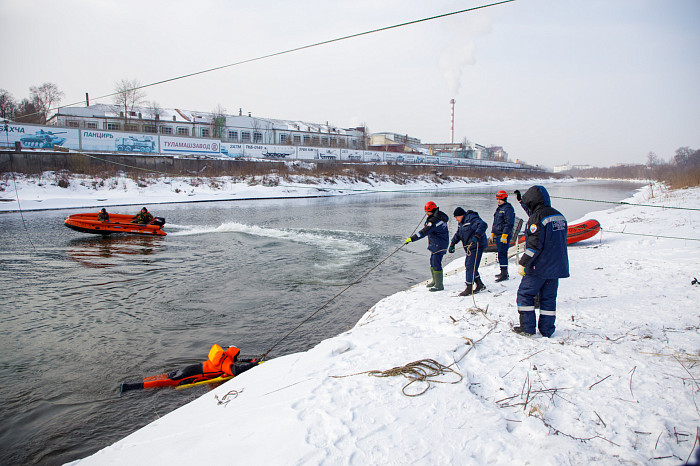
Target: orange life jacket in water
x,y
220,361
219,364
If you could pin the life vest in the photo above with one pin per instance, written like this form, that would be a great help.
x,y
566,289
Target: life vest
x,y
220,361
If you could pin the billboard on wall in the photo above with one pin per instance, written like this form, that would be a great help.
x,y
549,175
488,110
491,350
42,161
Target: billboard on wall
x,y
91,139
178,145
279,152
351,154
373,156
232,149
329,154
307,153
38,137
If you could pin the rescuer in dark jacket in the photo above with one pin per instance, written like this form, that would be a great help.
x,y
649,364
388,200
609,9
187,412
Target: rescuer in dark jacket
x,y
543,263
142,217
471,231
438,237
502,231
103,216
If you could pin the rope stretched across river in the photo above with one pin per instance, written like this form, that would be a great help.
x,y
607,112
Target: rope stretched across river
x,y
264,355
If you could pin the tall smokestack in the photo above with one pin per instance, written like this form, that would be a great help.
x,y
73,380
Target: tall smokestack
x,y
452,121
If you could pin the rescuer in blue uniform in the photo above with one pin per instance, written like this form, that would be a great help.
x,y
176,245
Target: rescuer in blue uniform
x,y
502,231
543,263
471,231
438,237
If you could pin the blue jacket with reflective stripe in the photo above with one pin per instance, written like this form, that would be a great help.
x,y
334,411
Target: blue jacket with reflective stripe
x,y
503,220
471,227
436,230
545,236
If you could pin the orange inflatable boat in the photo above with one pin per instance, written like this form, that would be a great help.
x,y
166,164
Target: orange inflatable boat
x,y
575,233
117,223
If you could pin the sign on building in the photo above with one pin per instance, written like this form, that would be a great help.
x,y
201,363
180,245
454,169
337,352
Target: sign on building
x,y
38,137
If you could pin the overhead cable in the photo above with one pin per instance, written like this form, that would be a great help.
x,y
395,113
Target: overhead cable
x,y
295,49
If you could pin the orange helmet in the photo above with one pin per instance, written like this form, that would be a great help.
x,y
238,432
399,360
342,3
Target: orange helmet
x,y
502,195
430,206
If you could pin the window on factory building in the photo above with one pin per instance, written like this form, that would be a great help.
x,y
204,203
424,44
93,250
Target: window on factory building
x,y
73,124
183,131
233,136
149,129
131,127
91,125
113,126
257,138
245,136
166,130
205,132
307,140
297,139
283,138
324,142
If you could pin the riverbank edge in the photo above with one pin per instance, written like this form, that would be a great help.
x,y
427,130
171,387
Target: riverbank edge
x,y
82,192
137,442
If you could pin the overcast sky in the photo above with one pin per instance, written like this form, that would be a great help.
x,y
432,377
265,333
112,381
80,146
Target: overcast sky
x,y
594,81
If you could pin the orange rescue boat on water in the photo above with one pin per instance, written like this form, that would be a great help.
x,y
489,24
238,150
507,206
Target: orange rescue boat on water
x,y
117,223
575,233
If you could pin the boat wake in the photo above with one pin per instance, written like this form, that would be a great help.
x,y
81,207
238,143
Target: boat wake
x,y
331,241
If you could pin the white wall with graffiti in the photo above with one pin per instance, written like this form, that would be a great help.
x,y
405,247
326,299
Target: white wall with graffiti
x,y
37,137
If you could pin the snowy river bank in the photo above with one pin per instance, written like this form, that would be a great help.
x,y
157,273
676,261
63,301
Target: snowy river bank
x,y
616,384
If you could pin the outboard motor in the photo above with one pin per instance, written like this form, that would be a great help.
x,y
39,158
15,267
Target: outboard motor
x,y
160,221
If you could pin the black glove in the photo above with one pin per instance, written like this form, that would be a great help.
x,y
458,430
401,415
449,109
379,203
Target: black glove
x,y
517,195
451,249
240,367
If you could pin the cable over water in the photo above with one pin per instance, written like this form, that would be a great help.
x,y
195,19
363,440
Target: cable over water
x,y
264,355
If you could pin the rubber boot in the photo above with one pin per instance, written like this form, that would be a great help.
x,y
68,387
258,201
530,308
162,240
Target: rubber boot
x,y
467,291
479,285
438,281
431,283
503,275
520,329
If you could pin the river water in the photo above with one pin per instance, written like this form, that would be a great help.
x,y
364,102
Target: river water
x,y
82,313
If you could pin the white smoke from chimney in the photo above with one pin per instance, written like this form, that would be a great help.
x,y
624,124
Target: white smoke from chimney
x,y
461,34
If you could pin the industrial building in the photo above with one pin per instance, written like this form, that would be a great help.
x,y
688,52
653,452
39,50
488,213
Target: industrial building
x,y
227,128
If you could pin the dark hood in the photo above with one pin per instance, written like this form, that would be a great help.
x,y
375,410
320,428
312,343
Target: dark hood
x,y
536,197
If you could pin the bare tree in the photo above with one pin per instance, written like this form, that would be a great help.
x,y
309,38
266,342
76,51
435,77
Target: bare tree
x,y
156,111
8,105
45,98
366,136
128,96
652,160
682,156
27,112
218,121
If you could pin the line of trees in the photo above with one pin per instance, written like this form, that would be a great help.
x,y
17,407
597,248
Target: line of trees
x,y
32,109
681,171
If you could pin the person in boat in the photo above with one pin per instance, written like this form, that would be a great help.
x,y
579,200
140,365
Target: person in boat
x,y
502,231
438,237
471,231
219,363
143,217
103,216
543,263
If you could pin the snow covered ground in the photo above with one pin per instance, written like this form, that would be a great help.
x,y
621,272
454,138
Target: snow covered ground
x,y
617,384
40,193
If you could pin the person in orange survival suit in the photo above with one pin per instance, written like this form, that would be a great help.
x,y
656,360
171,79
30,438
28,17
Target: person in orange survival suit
x,y
220,363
